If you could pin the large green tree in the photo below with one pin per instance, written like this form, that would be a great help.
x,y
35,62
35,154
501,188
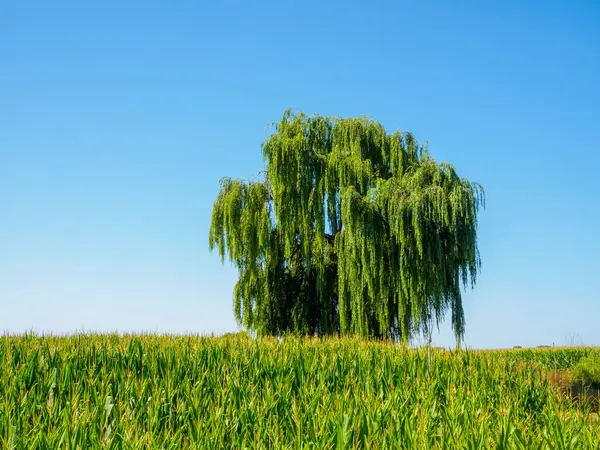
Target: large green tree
x,y
349,229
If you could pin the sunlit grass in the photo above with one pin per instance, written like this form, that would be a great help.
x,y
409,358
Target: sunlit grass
x,y
109,391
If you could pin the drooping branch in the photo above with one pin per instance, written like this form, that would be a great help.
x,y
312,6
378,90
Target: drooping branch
x,y
329,238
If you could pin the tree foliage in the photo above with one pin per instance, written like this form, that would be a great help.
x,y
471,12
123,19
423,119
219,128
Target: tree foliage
x,y
349,230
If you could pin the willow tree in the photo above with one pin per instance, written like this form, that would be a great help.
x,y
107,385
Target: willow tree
x,y
349,229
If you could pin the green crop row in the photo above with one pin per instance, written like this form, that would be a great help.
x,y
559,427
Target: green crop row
x,y
560,358
162,392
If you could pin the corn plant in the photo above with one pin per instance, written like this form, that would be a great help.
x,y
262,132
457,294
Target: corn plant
x,y
165,392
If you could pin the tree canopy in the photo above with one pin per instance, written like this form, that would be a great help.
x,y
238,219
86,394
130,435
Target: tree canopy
x,y
349,229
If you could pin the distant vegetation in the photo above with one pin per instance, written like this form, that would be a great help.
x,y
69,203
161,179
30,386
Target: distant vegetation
x,y
161,392
587,371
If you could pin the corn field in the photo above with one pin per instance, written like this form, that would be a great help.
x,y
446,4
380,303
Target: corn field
x,y
164,392
560,358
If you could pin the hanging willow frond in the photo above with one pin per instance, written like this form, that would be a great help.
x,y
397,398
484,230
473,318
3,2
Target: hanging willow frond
x,y
352,230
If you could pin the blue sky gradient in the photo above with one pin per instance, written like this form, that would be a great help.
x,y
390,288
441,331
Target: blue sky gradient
x,y
117,120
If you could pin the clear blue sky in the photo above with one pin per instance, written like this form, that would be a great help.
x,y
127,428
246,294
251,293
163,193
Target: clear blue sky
x,y
117,120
